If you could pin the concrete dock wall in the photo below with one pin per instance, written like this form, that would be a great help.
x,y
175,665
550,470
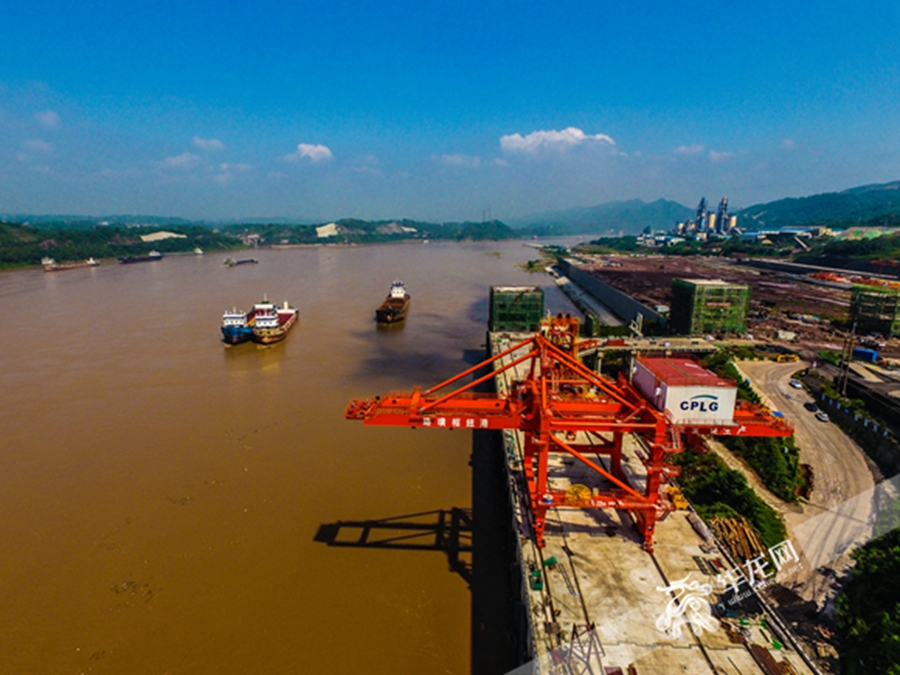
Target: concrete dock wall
x,y
624,306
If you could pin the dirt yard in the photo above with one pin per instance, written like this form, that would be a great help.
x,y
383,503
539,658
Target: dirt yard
x,y
778,302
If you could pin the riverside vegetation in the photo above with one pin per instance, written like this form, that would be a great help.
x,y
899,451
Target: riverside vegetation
x,y
25,245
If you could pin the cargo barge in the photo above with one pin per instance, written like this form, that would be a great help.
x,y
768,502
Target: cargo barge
x,y
395,305
150,257
237,325
273,324
50,265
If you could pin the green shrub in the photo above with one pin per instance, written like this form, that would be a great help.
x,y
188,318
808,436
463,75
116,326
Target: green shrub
x,y
869,609
775,460
717,490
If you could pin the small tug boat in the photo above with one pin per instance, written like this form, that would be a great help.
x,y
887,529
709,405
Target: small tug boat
x,y
395,305
272,325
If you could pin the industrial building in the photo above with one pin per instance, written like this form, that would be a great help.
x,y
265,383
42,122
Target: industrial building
x,y
516,308
708,306
707,223
874,310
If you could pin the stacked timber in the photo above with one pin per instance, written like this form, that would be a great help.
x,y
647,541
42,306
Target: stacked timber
x,y
740,538
767,662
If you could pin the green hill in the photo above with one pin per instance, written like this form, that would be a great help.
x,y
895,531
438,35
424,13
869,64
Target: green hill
x,y
631,217
77,239
856,205
22,245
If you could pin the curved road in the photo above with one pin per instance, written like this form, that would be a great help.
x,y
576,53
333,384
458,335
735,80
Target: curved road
x,y
841,510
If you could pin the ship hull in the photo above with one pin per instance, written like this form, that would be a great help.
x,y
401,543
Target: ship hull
x,y
392,310
235,335
267,336
127,260
58,267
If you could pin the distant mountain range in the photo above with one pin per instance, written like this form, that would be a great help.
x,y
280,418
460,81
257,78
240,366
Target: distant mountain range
x,y
74,222
630,217
856,205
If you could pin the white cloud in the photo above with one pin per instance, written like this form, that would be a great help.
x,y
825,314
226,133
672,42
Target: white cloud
x,y
227,172
48,119
367,164
460,160
537,140
687,150
235,167
716,156
186,160
38,145
118,173
788,144
208,143
315,153
367,169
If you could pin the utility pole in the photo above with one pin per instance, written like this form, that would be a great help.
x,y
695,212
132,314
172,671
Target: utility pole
x,y
846,357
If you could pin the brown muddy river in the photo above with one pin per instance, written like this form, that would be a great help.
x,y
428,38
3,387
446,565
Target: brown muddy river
x,y
161,491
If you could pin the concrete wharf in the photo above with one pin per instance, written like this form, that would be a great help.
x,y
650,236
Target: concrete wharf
x,y
596,602
584,300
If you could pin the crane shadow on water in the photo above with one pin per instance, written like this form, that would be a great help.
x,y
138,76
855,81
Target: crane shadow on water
x,y
446,530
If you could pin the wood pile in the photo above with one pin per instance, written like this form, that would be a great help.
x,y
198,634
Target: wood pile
x,y
765,660
741,539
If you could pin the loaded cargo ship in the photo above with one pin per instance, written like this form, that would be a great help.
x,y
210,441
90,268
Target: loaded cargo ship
x,y
395,305
231,262
272,325
50,265
150,257
237,325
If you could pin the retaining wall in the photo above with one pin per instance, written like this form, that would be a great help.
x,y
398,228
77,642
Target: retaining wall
x,y
622,304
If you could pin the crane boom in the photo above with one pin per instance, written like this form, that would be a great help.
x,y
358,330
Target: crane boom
x,y
556,400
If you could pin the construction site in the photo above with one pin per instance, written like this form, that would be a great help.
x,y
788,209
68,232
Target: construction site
x,y
616,573
792,307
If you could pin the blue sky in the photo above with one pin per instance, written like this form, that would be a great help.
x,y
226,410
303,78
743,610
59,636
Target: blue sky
x,y
439,110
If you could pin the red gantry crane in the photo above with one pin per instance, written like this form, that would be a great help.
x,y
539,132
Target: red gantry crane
x,y
558,397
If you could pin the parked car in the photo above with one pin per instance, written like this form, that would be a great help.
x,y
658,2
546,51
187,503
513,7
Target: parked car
x,y
812,407
796,384
822,416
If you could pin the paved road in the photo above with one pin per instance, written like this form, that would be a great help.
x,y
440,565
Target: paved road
x,y
841,509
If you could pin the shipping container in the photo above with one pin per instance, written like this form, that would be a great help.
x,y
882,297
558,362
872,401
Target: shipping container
x,y
863,354
689,392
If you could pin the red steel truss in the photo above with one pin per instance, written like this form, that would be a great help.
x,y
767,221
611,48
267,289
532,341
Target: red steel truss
x,y
557,398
